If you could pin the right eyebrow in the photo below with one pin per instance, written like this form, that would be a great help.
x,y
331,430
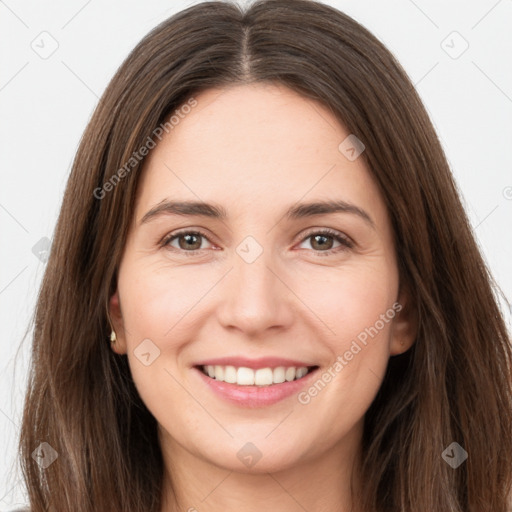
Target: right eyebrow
x,y
196,208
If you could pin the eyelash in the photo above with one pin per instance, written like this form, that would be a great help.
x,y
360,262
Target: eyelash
x,y
345,242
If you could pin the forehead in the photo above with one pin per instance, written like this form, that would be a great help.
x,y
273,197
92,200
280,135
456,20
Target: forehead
x,y
268,123
253,148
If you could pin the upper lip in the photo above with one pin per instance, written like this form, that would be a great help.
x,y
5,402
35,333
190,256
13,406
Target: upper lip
x,y
262,362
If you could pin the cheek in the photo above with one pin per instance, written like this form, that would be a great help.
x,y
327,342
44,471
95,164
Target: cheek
x,y
359,309
156,301
350,299
356,303
154,306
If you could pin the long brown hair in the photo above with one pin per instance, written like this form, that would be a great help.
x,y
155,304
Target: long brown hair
x,y
453,385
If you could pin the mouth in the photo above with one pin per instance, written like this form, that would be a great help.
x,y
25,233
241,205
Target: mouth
x,y
254,384
260,377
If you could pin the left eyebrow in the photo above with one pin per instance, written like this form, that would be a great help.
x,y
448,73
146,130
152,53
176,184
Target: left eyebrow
x,y
302,210
299,211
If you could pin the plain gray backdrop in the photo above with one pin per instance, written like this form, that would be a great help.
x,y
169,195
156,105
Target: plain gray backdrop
x,y
57,58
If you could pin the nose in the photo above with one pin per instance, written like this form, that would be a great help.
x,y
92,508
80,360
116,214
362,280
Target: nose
x,y
256,296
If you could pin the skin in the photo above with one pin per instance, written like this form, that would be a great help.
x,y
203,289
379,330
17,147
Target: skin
x,y
257,150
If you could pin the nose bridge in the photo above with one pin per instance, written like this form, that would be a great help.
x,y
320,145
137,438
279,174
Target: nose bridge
x,y
256,299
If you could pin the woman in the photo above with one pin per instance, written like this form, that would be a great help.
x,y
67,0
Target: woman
x,y
263,290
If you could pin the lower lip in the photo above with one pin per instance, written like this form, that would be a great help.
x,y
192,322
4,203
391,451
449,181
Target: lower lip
x,y
255,396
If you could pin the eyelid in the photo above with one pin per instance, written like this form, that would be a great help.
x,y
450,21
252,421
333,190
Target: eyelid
x,y
328,232
184,231
345,241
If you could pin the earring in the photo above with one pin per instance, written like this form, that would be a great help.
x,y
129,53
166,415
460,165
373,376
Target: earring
x,y
113,337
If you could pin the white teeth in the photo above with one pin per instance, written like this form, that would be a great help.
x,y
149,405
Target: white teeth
x,y
263,377
279,374
229,374
245,376
248,377
301,372
219,372
290,374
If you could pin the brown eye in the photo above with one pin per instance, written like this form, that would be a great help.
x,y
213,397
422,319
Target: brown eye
x,y
188,241
323,241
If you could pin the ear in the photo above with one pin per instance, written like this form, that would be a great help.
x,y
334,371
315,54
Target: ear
x,y
405,324
116,317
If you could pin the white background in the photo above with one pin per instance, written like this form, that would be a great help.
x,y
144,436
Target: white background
x,y
46,103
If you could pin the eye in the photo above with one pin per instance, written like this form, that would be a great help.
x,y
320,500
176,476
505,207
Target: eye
x,y
322,241
189,241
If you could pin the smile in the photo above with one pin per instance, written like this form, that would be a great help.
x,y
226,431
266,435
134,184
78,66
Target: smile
x,y
243,376
254,383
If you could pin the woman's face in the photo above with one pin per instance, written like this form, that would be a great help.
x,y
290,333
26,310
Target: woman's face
x,y
263,289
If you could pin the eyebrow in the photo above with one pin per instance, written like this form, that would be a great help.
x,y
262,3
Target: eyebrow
x,y
298,211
